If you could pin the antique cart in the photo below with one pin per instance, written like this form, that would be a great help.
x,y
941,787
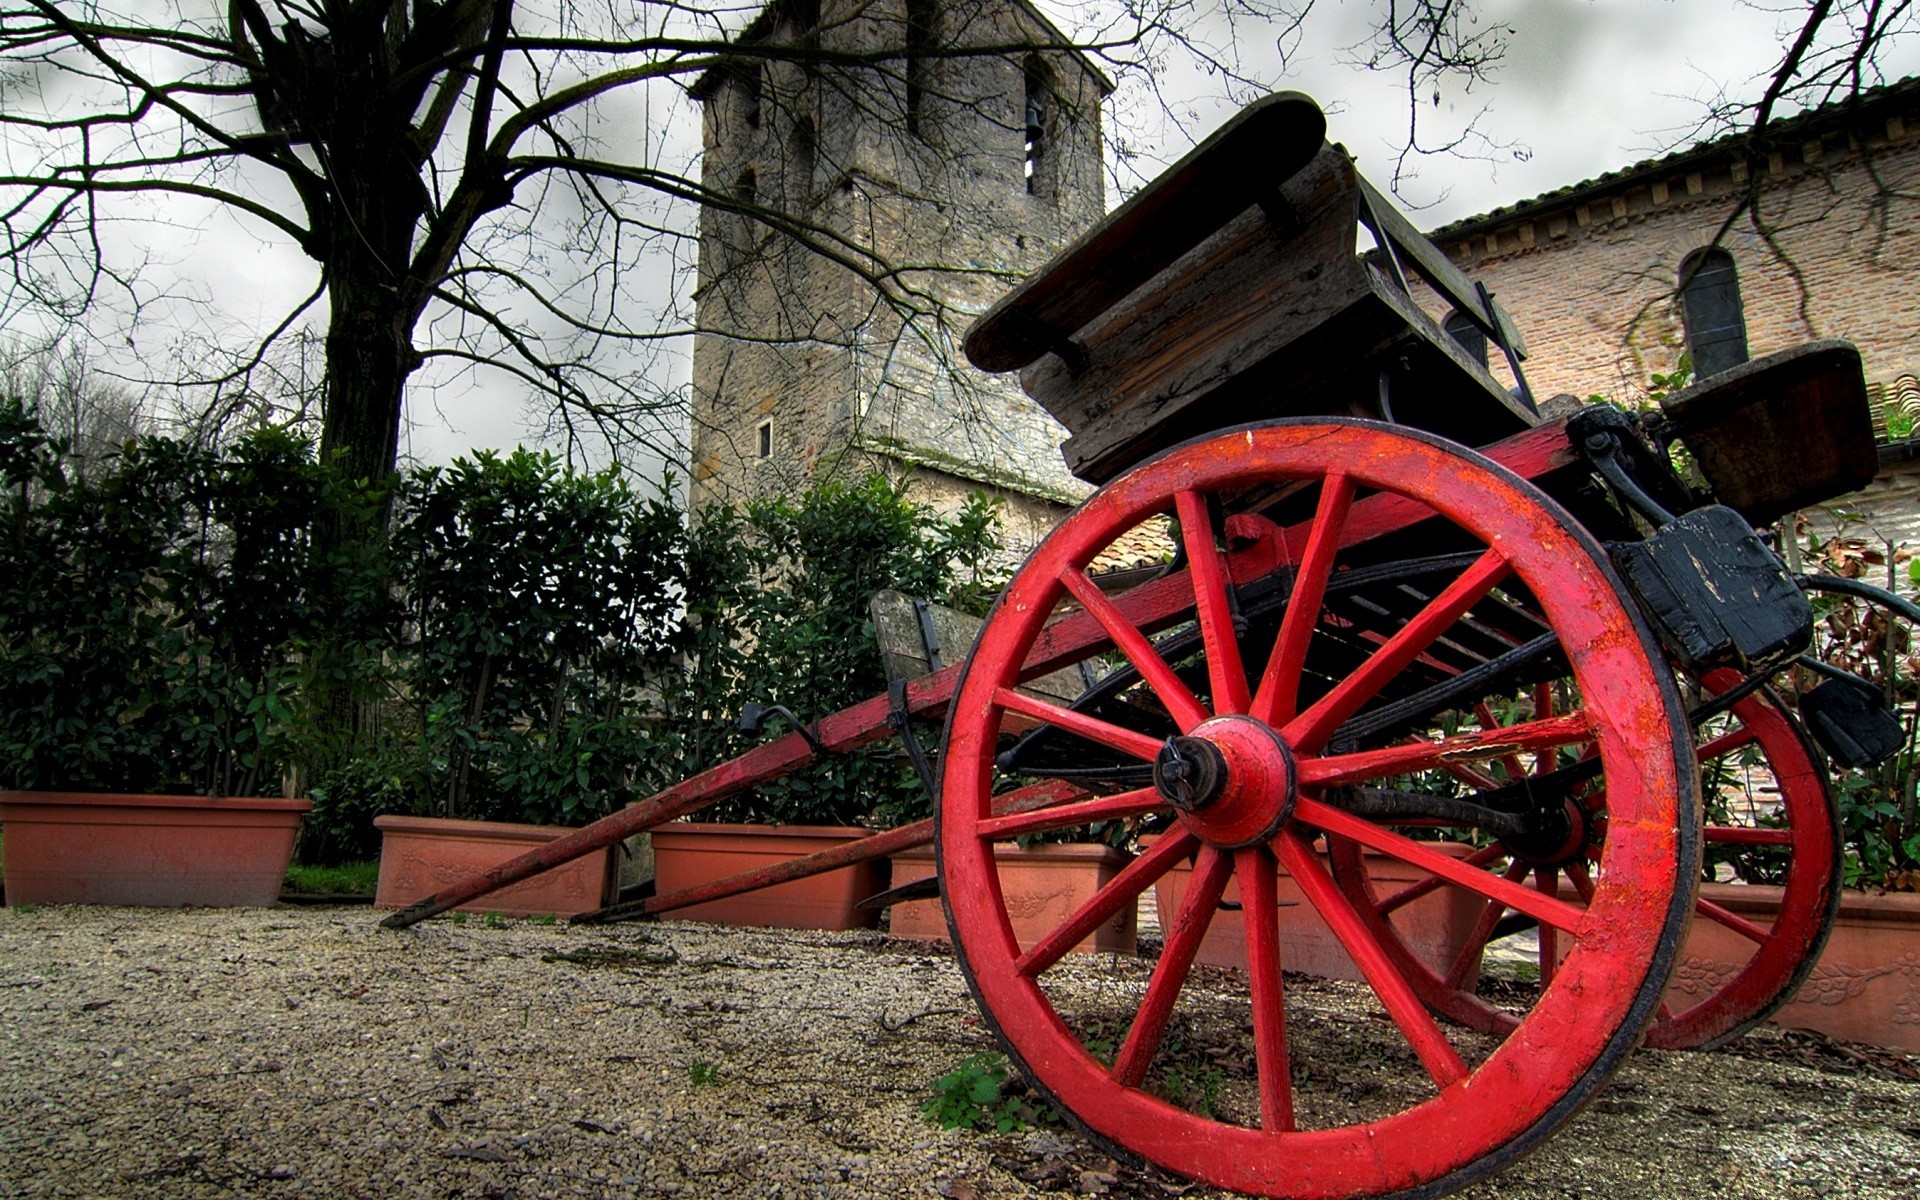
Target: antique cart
x,y
1406,619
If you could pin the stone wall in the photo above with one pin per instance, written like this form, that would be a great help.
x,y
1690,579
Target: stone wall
x,y
1589,281
836,314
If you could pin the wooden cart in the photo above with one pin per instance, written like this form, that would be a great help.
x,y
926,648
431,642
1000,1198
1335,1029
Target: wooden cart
x,y
1401,607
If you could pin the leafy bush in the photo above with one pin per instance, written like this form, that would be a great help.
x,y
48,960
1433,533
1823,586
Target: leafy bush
x,y
158,611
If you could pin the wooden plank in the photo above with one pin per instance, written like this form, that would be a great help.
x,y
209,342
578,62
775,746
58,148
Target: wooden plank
x,y
1782,432
1240,164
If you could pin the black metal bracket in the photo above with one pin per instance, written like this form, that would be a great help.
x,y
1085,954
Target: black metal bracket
x,y
753,722
901,720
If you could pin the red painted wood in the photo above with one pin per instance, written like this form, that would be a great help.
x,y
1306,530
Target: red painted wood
x,y
1210,876
1124,889
1413,757
1429,1044
1277,699
1585,1021
1224,668
1182,704
1256,870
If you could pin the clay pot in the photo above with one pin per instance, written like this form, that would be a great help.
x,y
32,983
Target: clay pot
x,y
1865,988
420,856
1041,885
1435,926
687,853
152,851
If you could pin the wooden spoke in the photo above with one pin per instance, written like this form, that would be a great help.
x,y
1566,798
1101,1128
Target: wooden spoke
x,y
1182,704
1066,816
1336,769
1432,883
1739,924
1464,973
1747,835
1279,691
1547,882
1310,730
1429,1044
1211,605
1124,889
1548,910
1094,730
1726,744
1209,880
1260,911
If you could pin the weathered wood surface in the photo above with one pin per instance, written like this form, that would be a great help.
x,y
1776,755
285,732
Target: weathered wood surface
x,y
1274,315
1783,432
1243,161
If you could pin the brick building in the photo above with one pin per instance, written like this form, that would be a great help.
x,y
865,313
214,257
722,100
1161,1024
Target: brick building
x,y
1610,280
964,152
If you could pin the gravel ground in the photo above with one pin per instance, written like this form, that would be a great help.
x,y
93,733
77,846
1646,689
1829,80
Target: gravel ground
x,y
307,1053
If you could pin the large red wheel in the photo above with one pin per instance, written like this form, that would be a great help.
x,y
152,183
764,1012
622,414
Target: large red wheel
x,y
1767,801
1255,752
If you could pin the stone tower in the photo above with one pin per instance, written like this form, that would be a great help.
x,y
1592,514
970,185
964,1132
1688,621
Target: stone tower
x,y
959,172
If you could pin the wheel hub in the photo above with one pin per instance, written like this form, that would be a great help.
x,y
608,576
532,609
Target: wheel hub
x,y
1232,780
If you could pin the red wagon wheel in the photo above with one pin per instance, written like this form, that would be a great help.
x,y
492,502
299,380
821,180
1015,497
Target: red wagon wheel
x,y
1754,745
1246,778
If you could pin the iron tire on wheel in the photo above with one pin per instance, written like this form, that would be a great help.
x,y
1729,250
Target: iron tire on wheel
x,y
1475,1115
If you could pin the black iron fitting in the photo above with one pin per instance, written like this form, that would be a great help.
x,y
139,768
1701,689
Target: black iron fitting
x,y
1189,773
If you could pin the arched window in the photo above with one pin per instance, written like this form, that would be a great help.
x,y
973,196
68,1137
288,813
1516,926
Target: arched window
x,y
749,78
746,187
1469,336
806,147
1710,309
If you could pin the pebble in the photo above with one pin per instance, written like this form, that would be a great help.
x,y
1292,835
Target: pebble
x,y
307,1054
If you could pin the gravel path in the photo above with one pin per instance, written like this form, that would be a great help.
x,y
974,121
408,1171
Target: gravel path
x,y
307,1053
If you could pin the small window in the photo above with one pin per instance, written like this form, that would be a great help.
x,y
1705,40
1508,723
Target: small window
x,y
806,150
763,439
1469,336
1038,95
750,95
1710,309
746,187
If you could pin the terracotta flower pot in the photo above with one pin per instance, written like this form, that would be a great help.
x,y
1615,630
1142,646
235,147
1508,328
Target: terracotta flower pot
x,y
1865,988
688,853
1436,926
1042,887
420,856
153,851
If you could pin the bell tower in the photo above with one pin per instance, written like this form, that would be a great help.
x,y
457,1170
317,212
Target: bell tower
x,y
874,200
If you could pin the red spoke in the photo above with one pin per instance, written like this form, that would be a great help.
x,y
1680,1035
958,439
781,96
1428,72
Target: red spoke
x,y
1545,909
1464,974
1124,740
1426,756
1429,1044
1310,730
1062,816
1726,743
1279,692
1582,882
1483,713
1432,883
1259,897
1182,704
1209,879
1746,835
1123,889
1210,584
1547,882
1740,925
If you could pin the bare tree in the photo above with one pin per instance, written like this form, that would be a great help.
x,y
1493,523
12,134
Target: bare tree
x,y
471,183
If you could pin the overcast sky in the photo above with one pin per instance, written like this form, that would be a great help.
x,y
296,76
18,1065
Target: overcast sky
x,y
1587,86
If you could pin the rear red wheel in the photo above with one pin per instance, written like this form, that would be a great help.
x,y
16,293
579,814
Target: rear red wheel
x,y
1767,804
1258,759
